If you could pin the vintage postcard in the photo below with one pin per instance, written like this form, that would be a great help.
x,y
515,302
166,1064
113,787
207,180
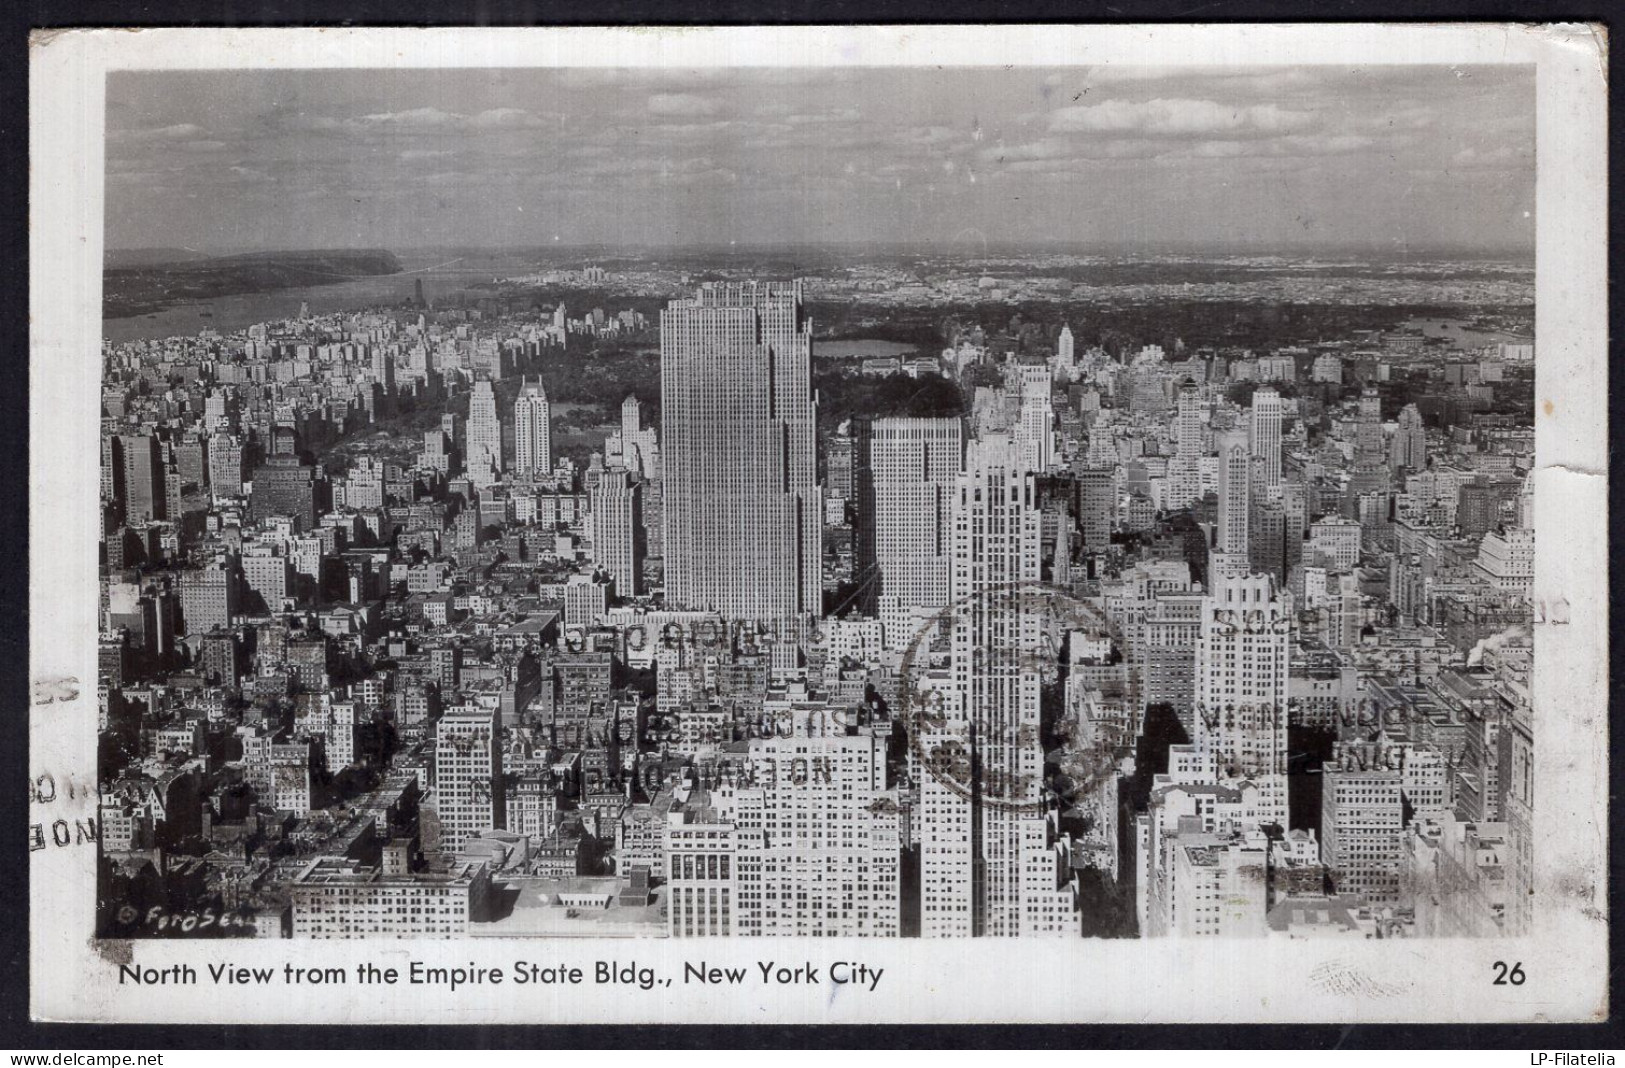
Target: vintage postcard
x,y
825,524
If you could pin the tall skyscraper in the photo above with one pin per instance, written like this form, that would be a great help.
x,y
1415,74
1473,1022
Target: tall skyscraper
x,y
1185,467
988,866
1409,448
225,466
1097,507
1243,655
144,495
617,530
742,524
209,598
631,417
638,445
484,436
1368,429
1266,533
220,410
1264,434
467,776
817,844
1035,426
192,462
437,451
912,467
1066,359
1235,467
383,367
112,468
532,431
1478,506
1362,825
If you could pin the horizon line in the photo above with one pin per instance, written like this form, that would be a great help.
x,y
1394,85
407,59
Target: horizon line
x,y
1521,251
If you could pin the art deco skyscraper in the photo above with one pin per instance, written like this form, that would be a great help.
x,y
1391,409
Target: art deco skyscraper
x,y
532,431
617,530
1235,467
484,436
1188,420
742,524
639,447
911,471
1368,430
1409,448
1264,434
1242,663
1185,466
1066,351
1035,417
988,866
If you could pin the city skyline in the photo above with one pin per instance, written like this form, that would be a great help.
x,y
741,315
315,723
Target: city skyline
x,y
807,524
1293,158
713,595
1026,667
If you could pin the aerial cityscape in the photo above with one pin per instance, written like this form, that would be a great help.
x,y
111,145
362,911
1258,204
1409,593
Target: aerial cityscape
x,y
964,569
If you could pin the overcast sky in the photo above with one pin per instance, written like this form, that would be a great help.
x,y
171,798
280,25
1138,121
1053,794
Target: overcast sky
x,y
1294,158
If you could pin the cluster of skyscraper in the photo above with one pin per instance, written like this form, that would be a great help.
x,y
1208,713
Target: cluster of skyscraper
x,y
743,674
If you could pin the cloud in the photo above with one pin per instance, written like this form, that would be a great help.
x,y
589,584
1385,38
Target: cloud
x,y
1322,145
934,135
251,175
145,179
683,130
710,176
1251,80
1057,155
183,131
644,166
428,122
1052,154
1410,117
1049,148
414,117
1218,149
506,118
683,105
1504,157
1182,118
823,117
621,144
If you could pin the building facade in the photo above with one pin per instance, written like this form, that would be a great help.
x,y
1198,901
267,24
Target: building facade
x,y
742,523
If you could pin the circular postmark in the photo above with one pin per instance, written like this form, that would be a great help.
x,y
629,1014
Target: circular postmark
x,y
971,749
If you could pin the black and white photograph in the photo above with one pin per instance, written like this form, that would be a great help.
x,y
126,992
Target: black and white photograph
x,y
656,504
